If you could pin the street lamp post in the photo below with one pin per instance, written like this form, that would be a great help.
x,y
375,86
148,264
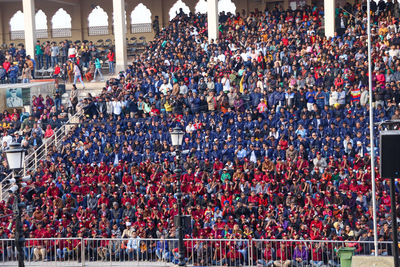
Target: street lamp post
x,y
177,138
15,158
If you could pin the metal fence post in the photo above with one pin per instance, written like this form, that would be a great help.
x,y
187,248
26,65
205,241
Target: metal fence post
x,y
137,254
35,160
82,252
55,138
250,257
110,244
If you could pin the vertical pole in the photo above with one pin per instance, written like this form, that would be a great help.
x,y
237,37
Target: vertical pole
x,y
212,20
18,224
329,15
120,35
28,7
395,247
180,228
2,30
371,133
83,252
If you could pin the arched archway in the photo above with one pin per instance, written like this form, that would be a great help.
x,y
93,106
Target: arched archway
x,y
201,7
17,26
141,14
41,24
61,24
141,19
98,21
226,6
175,9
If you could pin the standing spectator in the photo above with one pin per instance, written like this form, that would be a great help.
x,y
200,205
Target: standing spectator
x,y
57,98
26,73
55,52
310,96
111,61
74,98
22,52
39,55
57,71
31,65
97,65
71,52
156,25
6,65
47,54
63,52
69,68
85,57
78,74
3,75
13,73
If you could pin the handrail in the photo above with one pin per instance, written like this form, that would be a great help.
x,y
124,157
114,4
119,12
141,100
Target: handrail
x,y
206,240
32,159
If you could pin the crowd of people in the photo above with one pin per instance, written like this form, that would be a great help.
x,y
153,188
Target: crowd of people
x,y
276,144
66,60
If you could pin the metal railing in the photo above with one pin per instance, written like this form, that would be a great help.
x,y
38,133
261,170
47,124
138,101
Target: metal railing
x,y
36,155
20,35
140,27
98,30
62,32
42,33
203,252
17,35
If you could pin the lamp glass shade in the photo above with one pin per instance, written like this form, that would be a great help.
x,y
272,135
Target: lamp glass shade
x,y
15,156
177,136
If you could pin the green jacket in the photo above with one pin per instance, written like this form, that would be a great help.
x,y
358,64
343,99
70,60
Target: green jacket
x,y
38,50
97,63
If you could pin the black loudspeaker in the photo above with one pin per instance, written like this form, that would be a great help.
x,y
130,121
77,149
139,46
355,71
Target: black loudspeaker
x,y
390,154
186,223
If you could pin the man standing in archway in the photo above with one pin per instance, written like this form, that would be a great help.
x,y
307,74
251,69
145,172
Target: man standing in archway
x,y
156,25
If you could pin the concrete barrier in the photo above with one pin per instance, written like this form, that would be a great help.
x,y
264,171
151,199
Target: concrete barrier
x,y
372,261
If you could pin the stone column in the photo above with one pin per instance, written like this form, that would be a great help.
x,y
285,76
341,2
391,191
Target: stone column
x,y
2,30
120,35
212,19
329,14
28,7
79,23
